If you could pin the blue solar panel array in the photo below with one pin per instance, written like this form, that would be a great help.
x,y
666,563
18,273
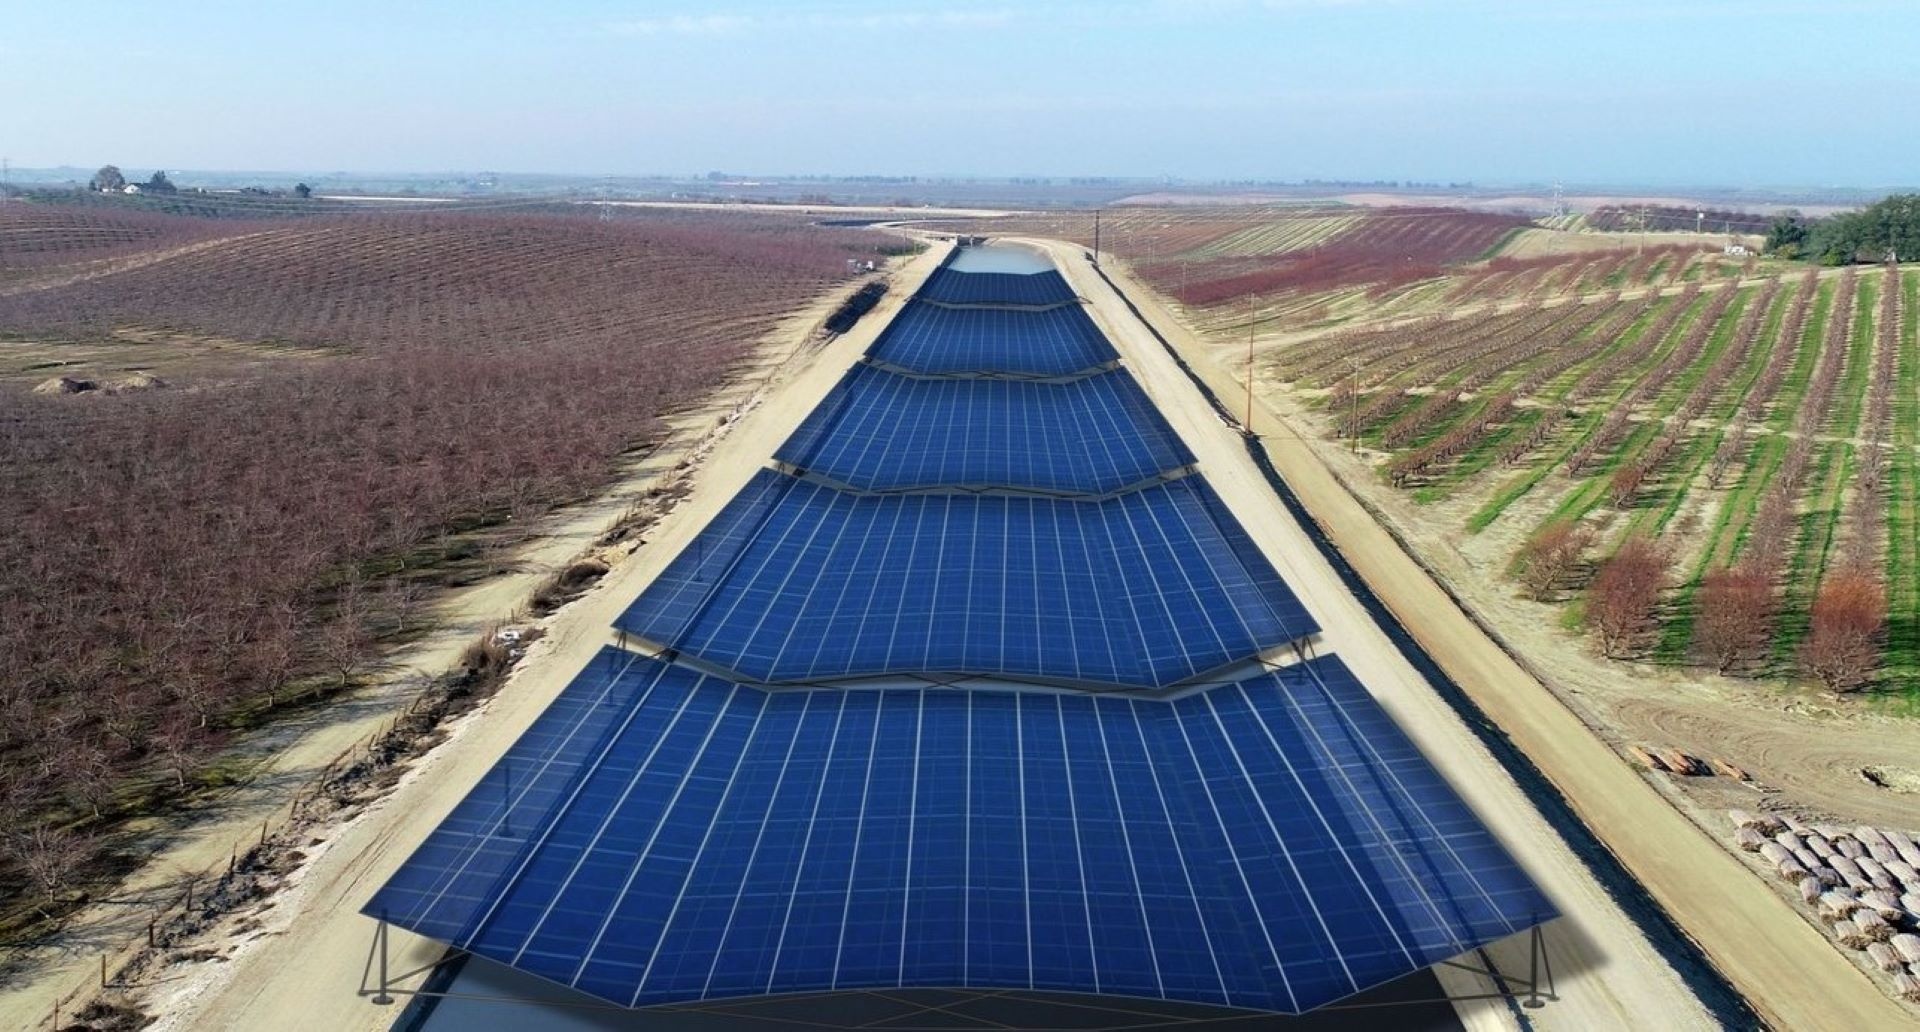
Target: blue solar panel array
x,y
987,502
951,286
660,836
881,431
796,581
930,339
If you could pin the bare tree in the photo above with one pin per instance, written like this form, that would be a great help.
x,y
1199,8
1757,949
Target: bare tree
x,y
1549,556
50,857
1735,612
1622,603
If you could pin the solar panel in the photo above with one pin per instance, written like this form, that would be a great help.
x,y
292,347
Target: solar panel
x,y
988,499
956,287
660,835
881,431
796,581
926,338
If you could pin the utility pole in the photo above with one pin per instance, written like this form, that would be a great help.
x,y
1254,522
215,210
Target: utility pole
x,y
1096,236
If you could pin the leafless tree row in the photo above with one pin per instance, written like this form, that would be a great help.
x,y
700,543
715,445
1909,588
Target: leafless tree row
x,y
1786,349
1455,442
1633,474
1739,606
43,236
1606,317
178,562
1438,362
1554,416
1609,369
1387,249
1864,524
1847,620
1752,325
1616,425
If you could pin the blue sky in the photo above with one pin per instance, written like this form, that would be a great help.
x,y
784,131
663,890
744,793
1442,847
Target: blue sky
x,y
1761,92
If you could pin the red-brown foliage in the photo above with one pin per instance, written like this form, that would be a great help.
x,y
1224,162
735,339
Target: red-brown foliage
x,y
1390,247
1735,616
1623,601
1846,622
1549,557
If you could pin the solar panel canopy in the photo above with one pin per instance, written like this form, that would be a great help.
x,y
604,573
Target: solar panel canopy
x,y
796,581
998,288
662,835
979,342
884,431
973,687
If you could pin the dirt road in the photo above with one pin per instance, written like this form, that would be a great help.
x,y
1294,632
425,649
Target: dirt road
x,y
1789,972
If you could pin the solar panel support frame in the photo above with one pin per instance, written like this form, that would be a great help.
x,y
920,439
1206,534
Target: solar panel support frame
x,y
1534,991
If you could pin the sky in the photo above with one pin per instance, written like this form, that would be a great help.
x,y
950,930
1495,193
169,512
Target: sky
x,y
1713,92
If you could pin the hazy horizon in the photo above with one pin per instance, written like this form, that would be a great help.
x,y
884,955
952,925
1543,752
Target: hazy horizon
x,y
1490,91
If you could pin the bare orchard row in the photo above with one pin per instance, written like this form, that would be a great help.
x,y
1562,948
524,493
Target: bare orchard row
x,y
1726,470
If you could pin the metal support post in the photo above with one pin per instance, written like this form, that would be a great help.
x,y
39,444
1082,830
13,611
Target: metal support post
x,y
381,997
1536,960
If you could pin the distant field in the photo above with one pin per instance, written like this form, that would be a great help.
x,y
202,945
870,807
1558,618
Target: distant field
x,y
300,427
35,237
1763,430
1208,257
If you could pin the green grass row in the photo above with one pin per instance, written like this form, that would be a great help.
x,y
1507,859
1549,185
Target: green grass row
x,y
1582,426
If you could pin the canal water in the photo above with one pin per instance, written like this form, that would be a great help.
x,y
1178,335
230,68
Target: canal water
x,y
1000,258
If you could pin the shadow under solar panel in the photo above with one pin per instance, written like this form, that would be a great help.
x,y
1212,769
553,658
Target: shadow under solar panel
x,y
796,581
881,431
660,835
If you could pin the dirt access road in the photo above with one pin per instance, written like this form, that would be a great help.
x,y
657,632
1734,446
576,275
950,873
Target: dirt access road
x,y
1785,969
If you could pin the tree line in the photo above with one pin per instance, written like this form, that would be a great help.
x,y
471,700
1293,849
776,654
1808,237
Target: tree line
x,y
1887,229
